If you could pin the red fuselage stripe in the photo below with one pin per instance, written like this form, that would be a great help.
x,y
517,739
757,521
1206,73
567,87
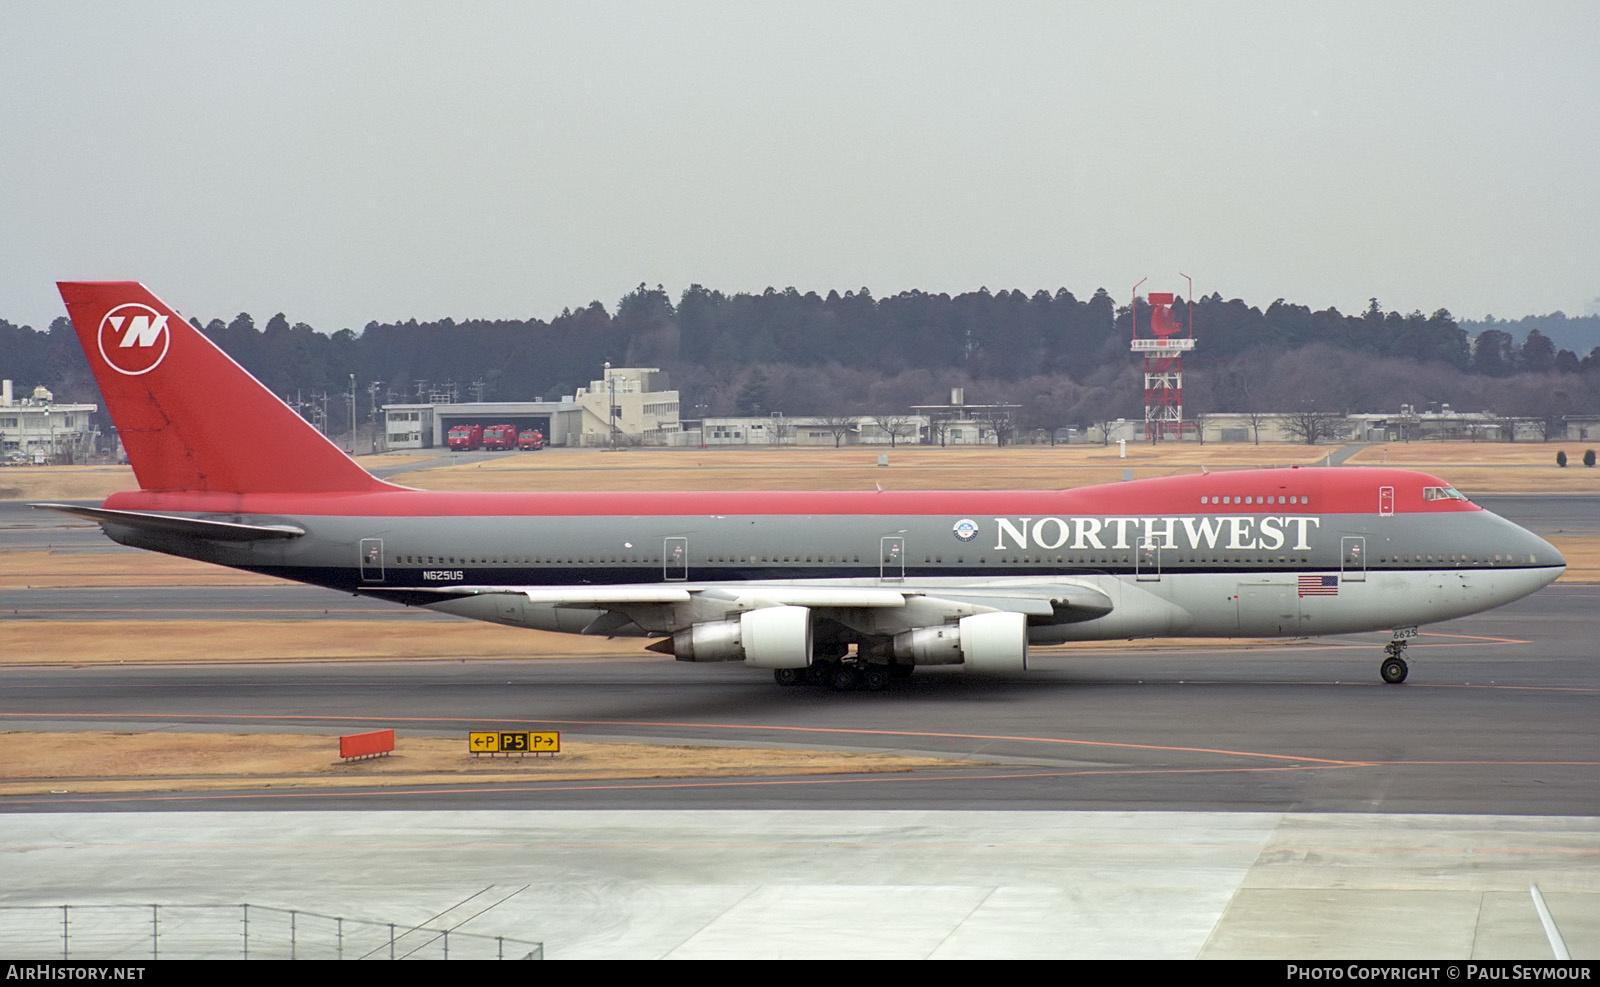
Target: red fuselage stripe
x,y
1301,491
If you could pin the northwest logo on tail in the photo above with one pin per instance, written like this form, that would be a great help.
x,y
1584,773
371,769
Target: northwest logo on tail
x,y
134,339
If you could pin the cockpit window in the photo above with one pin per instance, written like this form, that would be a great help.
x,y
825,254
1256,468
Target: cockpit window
x,y
1442,493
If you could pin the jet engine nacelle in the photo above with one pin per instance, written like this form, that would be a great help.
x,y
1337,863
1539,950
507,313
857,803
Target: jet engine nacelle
x,y
985,642
771,637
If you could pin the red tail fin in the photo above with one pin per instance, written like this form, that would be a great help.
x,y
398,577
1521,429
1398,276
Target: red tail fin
x,y
191,418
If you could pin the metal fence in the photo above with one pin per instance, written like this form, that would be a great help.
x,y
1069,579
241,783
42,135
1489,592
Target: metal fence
x,y
250,932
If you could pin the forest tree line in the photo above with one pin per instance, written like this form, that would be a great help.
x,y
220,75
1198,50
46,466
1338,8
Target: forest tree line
x,y
1064,359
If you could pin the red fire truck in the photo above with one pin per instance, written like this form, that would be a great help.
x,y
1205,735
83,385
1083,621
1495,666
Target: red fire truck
x,y
464,438
530,438
500,437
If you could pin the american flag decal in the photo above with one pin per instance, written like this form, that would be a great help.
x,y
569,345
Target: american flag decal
x,y
1319,585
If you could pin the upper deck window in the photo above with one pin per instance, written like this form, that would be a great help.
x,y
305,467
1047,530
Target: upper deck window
x,y
1282,499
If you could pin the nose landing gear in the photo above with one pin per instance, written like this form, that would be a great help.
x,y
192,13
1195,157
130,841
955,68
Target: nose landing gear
x,y
1394,668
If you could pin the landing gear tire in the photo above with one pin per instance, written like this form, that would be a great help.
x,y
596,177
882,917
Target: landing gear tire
x,y
1394,667
789,676
875,678
844,679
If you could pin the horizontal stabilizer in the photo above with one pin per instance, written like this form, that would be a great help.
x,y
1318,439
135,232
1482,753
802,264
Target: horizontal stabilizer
x,y
172,525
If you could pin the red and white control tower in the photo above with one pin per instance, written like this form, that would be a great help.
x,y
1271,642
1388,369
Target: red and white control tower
x,y
1163,351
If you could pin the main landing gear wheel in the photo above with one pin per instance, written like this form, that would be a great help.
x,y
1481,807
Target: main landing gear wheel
x,y
1394,670
844,678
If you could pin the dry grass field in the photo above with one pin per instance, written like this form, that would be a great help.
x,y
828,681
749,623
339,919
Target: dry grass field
x,y
1482,467
851,468
187,641
1539,454
1473,467
102,761
1491,467
247,642
41,569
64,482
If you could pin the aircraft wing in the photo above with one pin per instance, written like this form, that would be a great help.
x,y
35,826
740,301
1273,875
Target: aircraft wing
x,y
601,596
1056,601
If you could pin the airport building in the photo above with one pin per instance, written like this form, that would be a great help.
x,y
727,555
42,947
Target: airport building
x,y
961,424
814,430
1584,428
1248,427
423,426
627,406
37,430
1408,425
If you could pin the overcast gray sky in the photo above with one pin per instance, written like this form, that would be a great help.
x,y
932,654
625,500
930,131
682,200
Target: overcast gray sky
x,y
348,162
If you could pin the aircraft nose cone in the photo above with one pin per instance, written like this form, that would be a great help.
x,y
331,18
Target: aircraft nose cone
x,y
1517,549
1547,554
1556,554
1539,553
